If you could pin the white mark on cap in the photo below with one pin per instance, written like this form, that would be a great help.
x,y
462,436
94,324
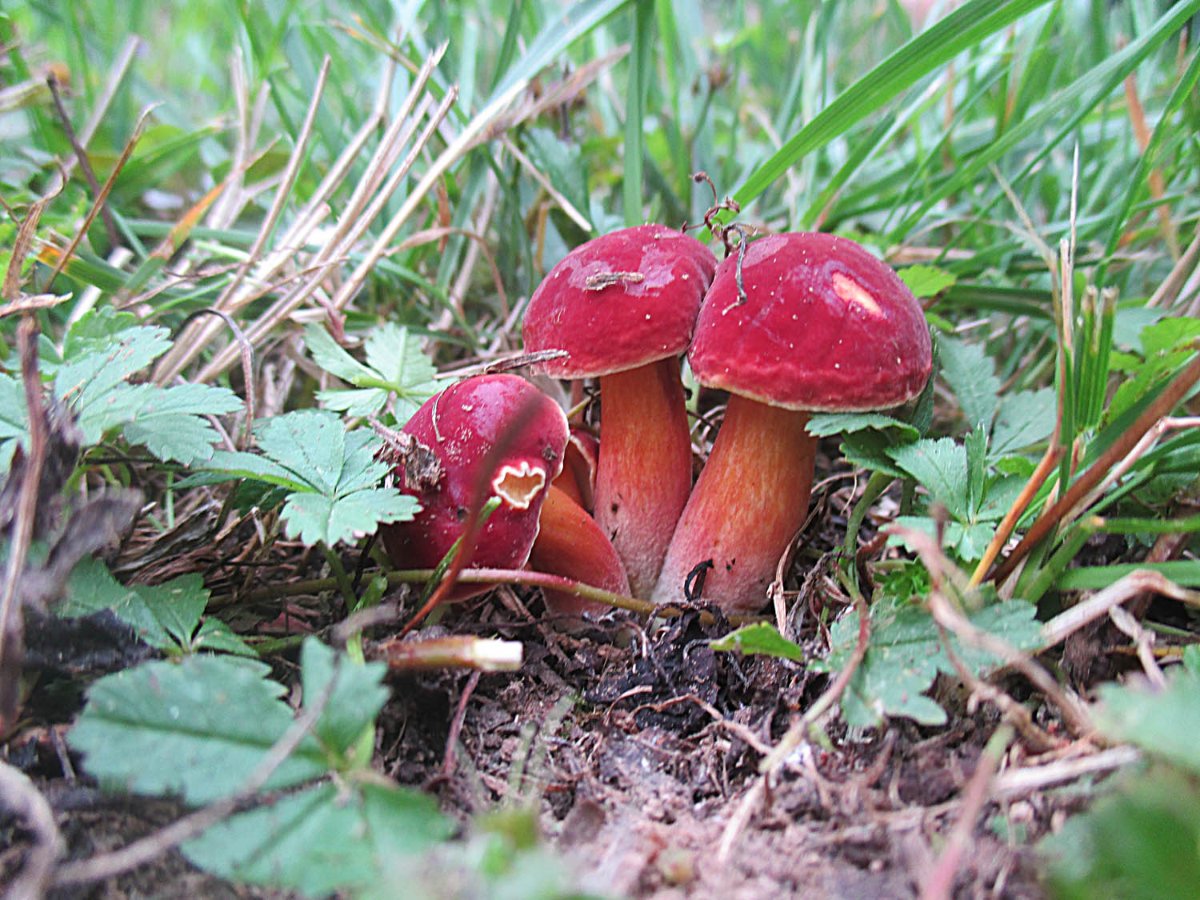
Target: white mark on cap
x,y
853,292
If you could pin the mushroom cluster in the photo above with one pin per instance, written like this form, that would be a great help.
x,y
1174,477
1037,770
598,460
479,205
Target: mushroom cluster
x,y
791,323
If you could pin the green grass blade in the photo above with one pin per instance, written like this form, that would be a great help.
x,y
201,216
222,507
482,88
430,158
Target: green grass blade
x,y
1076,101
963,28
641,64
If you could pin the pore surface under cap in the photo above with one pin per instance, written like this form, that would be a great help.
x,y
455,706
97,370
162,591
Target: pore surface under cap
x,y
824,326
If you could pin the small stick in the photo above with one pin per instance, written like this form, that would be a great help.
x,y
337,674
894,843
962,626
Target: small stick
x,y
110,227
940,883
12,616
19,795
456,724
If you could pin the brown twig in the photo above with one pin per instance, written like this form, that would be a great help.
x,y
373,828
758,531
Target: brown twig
x,y
64,256
1004,530
940,883
247,364
1073,711
1017,715
12,619
456,725
493,576
454,652
21,798
797,733
110,227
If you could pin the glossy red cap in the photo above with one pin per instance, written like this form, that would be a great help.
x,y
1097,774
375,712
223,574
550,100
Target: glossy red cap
x,y
455,430
620,301
825,326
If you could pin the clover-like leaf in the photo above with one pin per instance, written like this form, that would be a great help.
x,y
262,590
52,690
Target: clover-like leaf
x,y
395,368
331,477
199,728
906,654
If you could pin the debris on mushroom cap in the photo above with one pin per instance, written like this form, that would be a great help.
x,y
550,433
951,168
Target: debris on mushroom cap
x,y
820,324
458,428
619,301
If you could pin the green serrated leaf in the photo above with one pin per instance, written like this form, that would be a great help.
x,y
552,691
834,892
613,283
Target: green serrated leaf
x,y
869,450
966,541
170,422
941,466
906,654
356,699
166,616
1138,843
759,638
976,446
177,605
323,840
330,476
309,443
825,424
1024,418
89,378
214,634
101,352
396,354
1162,722
1173,333
92,588
926,281
197,728
971,375
226,465
395,367
318,518
330,356
360,468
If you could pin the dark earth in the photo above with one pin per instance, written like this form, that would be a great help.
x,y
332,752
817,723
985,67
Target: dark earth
x,y
636,749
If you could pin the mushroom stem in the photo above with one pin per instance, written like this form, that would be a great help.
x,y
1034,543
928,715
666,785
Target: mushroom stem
x,y
645,469
749,501
571,544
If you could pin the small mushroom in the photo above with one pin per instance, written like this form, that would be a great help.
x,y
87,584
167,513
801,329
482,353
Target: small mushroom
x,y
454,433
578,477
571,544
623,307
793,323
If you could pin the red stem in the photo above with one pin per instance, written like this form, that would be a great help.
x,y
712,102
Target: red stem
x,y
645,469
750,501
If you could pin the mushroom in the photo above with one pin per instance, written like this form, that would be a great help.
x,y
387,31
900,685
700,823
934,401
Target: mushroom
x,y
793,323
623,307
578,477
571,544
450,437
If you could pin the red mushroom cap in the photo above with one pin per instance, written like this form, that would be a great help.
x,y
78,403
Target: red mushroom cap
x,y
620,301
824,326
455,430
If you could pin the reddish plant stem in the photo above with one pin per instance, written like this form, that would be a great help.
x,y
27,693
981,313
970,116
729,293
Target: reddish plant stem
x,y
480,492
